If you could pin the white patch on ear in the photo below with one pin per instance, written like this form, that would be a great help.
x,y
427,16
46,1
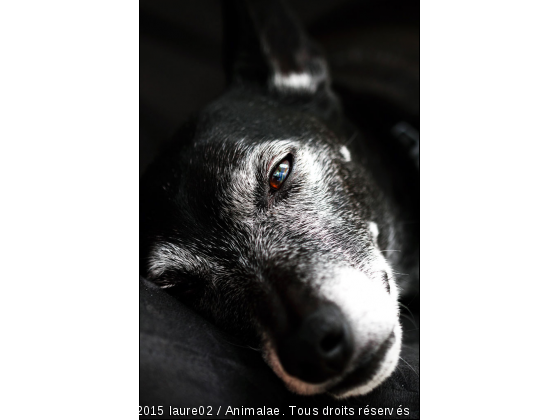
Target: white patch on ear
x,y
294,81
374,230
345,153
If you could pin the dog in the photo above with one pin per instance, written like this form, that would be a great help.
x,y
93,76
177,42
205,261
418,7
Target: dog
x,y
266,216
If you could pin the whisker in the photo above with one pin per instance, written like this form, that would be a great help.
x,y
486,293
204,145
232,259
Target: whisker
x,y
399,274
242,346
411,315
411,368
352,138
406,307
410,319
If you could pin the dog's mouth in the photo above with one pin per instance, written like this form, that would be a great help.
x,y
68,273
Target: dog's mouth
x,y
368,370
372,369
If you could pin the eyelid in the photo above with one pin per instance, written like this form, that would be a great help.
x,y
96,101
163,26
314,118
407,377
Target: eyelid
x,y
273,164
277,161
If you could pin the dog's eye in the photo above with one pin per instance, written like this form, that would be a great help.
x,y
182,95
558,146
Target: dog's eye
x,y
280,174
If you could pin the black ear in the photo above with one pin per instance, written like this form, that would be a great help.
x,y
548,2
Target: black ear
x,y
264,44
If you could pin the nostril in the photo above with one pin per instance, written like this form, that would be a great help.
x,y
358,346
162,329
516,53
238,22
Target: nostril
x,y
331,341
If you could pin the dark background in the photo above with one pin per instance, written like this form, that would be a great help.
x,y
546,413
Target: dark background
x,y
372,46
373,50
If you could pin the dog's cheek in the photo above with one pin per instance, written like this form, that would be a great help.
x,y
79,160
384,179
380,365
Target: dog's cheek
x,y
232,308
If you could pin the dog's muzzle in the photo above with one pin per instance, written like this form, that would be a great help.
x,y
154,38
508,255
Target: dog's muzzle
x,y
343,337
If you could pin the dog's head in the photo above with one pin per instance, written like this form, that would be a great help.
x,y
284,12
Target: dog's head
x,y
265,218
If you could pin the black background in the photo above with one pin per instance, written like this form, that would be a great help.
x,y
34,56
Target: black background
x,y
373,48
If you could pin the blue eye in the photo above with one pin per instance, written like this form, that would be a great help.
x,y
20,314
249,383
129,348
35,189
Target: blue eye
x,y
280,174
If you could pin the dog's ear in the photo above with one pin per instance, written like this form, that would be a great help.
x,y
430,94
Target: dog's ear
x,y
265,44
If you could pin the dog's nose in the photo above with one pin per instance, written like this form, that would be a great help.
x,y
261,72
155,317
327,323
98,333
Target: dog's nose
x,y
320,348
